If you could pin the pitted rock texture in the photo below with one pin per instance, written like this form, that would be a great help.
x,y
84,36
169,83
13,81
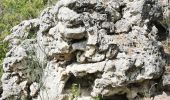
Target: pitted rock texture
x,y
107,47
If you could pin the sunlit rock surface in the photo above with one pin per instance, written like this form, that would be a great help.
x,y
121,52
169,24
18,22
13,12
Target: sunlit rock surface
x,y
108,48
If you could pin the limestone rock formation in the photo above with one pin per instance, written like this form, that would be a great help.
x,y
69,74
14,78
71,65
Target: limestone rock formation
x,y
105,47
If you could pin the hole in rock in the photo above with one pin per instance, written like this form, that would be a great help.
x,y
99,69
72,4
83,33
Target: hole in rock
x,y
33,32
134,71
76,24
162,31
121,9
110,33
84,84
146,9
168,59
78,40
83,7
100,9
114,97
1,90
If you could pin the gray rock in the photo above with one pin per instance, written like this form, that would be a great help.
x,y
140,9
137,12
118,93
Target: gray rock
x,y
122,26
111,44
166,81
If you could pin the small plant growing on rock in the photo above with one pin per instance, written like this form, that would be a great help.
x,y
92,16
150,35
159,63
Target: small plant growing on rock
x,y
75,91
97,98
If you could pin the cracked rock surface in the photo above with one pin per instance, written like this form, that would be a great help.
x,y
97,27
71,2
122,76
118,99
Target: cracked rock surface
x,y
106,47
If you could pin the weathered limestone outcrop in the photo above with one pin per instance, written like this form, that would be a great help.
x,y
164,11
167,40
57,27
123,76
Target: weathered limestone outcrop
x,y
106,47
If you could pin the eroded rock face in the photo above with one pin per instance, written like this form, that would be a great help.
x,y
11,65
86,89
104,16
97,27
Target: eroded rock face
x,y
113,44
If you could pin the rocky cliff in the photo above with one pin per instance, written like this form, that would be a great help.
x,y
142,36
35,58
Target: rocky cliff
x,y
89,50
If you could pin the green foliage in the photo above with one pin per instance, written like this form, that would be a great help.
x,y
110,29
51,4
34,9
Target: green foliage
x,y
12,12
97,98
3,50
166,21
75,90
